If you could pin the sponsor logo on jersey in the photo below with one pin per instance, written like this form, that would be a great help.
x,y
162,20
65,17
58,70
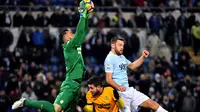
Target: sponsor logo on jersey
x,y
122,66
108,66
106,106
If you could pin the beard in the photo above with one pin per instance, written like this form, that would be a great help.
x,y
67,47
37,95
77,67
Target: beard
x,y
96,93
118,52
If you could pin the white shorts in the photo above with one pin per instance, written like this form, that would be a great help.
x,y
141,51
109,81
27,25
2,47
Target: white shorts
x,y
132,99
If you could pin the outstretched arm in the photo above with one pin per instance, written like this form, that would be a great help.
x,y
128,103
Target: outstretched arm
x,y
139,61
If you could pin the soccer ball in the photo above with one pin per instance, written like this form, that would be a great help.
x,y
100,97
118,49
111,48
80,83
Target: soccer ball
x,y
89,5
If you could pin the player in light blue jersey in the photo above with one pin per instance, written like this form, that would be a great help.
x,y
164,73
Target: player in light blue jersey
x,y
116,66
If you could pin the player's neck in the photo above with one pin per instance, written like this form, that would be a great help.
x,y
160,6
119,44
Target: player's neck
x,y
101,91
114,52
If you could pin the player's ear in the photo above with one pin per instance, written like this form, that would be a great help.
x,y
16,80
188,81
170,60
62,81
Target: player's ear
x,y
112,45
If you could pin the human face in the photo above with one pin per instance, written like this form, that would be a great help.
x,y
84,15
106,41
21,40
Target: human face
x,y
118,47
94,90
68,36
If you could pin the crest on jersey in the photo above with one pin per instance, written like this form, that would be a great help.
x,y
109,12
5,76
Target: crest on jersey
x,y
108,66
61,101
106,97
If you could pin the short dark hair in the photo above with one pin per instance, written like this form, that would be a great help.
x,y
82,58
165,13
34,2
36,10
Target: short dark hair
x,y
62,34
114,40
95,80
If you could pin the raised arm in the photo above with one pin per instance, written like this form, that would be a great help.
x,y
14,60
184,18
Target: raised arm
x,y
139,61
82,27
81,32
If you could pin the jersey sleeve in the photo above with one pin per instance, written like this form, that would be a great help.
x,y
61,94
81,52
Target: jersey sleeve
x,y
81,32
108,65
89,98
112,93
127,61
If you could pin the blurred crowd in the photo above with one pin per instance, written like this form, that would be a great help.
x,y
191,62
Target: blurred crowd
x,y
123,3
32,64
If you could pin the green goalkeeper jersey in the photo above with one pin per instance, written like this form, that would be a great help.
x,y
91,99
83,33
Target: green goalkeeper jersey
x,y
72,51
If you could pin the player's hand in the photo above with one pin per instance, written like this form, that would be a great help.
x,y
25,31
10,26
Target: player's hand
x,y
145,53
121,88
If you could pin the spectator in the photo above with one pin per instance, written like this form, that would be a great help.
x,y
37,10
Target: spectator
x,y
170,30
144,84
139,3
131,22
17,19
197,92
25,38
105,20
155,23
54,19
29,94
42,20
99,48
94,20
141,20
196,38
32,70
4,101
28,20
53,95
189,103
64,19
168,103
26,82
182,31
6,38
6,19
38,38
184,3
153,43
134,43
191,21
119,21
184,62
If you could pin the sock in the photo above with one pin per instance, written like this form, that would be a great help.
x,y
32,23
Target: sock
x,y
160,109
43,105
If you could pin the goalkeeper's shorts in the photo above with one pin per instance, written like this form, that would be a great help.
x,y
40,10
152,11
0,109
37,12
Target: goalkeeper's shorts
x,y
69,94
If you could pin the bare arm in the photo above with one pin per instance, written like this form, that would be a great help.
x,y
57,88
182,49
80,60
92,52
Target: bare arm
x,y
136,63
111,82
139,61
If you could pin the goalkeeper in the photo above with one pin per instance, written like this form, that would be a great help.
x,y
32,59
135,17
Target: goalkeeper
x,y
75,68
103,99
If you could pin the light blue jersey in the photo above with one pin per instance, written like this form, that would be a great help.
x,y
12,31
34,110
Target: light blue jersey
x,y
118,66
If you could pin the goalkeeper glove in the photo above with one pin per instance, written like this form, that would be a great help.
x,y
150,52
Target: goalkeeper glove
x,y
83,10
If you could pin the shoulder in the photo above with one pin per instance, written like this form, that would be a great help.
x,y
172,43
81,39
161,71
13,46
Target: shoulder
x,y
88,94
123,57
109,58
108,88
